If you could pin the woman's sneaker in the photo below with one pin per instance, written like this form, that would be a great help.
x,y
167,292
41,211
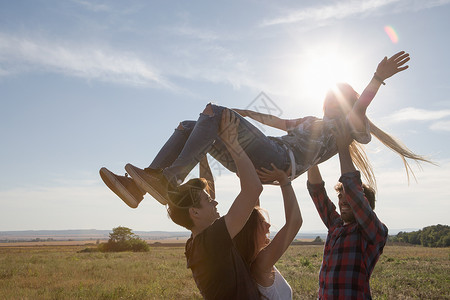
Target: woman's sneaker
x,y
150,180
123,186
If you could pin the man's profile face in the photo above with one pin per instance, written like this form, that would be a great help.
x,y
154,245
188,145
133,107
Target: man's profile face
x,y
347,214
207,209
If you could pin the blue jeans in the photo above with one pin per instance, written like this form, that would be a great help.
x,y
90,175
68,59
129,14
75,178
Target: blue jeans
x,y
187,146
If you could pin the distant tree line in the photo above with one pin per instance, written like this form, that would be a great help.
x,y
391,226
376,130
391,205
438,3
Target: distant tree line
x,y
431,236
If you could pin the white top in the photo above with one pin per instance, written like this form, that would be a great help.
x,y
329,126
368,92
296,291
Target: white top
x,y
279,290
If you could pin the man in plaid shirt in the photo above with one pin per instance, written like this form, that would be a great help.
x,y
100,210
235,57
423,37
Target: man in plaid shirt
x,y
356,237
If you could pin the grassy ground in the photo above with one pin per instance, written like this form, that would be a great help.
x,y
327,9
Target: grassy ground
x,y
61,273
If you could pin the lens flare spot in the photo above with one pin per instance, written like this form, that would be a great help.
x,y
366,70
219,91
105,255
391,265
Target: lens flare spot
x,y
391,34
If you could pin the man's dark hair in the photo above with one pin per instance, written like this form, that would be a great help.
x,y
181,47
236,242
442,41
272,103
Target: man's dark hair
x,y
369,192
183,198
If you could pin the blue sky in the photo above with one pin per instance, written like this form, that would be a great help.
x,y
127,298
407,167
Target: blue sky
x,y
86,84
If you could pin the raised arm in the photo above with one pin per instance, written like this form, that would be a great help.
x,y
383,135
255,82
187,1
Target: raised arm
x,y
251,186
386,68
371,226
314,176
325,208
269,120
272,253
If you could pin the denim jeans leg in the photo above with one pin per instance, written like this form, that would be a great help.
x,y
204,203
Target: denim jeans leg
x,y
197,145
173,147
261,150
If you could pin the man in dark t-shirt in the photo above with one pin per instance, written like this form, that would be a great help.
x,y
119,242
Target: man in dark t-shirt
x,y
218,269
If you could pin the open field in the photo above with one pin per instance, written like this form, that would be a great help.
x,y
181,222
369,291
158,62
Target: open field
x,y
59,272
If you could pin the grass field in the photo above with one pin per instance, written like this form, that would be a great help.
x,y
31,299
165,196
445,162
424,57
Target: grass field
x,y
59,272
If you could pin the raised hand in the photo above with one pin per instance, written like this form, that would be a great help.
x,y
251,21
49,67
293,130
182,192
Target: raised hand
x,y
391,66
228,130
273,175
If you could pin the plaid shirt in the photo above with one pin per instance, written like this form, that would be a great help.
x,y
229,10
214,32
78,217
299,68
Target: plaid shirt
x,y
352,250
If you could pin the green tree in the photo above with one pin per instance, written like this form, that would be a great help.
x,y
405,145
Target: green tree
x,y
121,234
318,240
123,239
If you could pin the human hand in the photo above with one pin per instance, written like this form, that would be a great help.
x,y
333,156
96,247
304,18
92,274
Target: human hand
x,y
391,66
228,130
275,174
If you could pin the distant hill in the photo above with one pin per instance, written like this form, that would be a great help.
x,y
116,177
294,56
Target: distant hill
x,y
94,234
81,234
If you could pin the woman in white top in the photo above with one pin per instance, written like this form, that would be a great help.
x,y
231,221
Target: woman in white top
x,y
261,253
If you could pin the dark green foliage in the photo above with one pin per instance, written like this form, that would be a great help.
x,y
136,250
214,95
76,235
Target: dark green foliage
x,y
318,240
123,239
431,236
88,250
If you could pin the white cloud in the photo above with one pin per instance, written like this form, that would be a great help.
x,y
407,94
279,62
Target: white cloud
x,y
341,10
417,114
441,126
206,60
89,62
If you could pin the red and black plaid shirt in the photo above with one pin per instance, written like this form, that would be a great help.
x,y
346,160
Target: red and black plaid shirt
x,y
352,250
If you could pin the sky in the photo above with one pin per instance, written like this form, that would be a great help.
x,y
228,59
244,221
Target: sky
x,y
91,84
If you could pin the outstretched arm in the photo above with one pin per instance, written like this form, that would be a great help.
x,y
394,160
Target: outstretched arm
x,y
251,186
269,120
325,208
386,68
270,254
372,228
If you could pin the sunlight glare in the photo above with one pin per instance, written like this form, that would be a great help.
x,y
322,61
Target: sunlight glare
x,y
316,72
324,71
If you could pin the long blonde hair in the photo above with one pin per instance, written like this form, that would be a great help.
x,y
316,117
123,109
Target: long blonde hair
x,y
362,162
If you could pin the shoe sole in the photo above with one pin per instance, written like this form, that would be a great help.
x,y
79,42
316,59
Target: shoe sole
x,y
116,186
134,173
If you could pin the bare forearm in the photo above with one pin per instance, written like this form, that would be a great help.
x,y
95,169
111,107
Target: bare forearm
x,y
270,255
265,119
292,212
314,176
247,198
247,174
366,97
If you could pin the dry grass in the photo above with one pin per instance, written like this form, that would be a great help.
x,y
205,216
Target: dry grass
x,y
59,272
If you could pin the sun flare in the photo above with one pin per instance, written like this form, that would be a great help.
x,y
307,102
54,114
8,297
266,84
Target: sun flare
x,y
315,72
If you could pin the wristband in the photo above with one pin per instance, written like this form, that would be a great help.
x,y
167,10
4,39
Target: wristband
x,y
378,78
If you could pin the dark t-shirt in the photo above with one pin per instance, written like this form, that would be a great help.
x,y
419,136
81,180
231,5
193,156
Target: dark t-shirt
x,y
217,267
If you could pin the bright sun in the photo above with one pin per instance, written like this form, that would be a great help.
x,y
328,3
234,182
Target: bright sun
x,y
318,70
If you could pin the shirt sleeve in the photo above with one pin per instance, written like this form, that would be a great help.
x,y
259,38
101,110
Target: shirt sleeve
x,y
371,227
326,208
